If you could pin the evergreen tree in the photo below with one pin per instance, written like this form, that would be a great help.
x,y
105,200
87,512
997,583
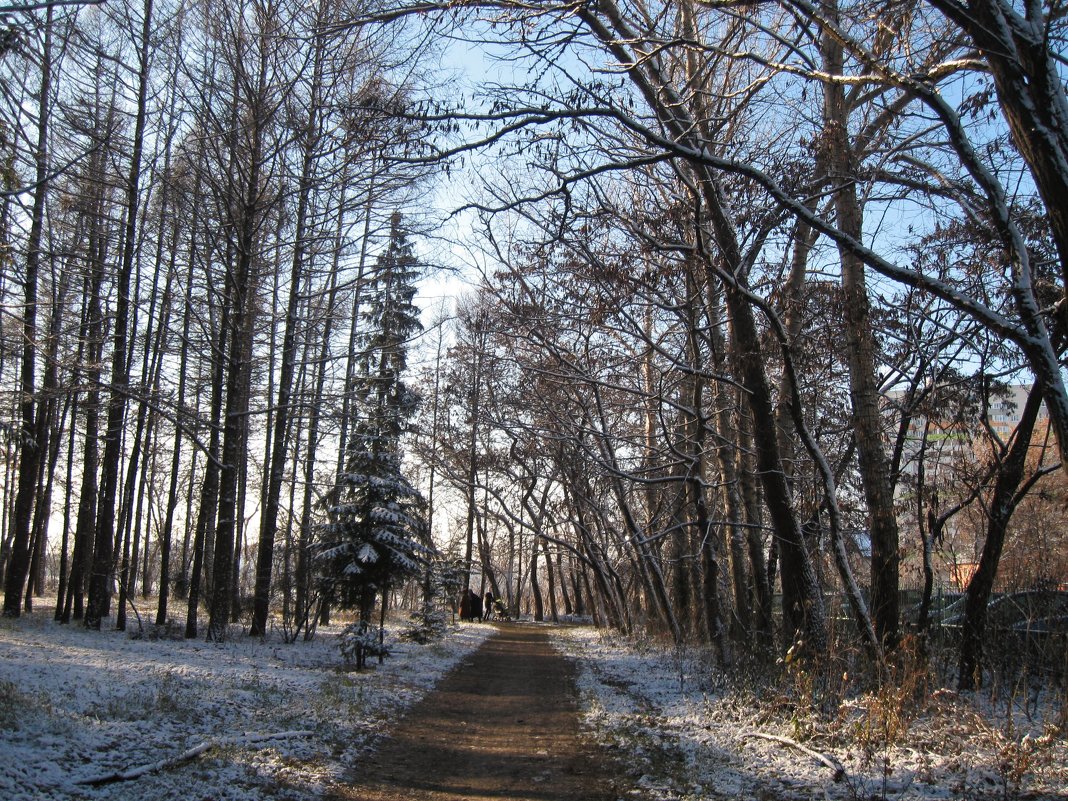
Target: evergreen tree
x,y
376,536
443,579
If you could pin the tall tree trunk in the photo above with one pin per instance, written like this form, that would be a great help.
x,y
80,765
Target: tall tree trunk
x,y
93,336
726,454
240,298
302,572
473,405
803,603
1003,502
930,529
569,608
33,429
648,565
131,534
167,533
65,545
54,421
761,565
319,375
103,552
271,496
485,557
275,476
613,603
576,587
860,346
155,339
6,531
554,615
288,574
170,219
150,475
238,368
535,586
182,585
209,490
239,526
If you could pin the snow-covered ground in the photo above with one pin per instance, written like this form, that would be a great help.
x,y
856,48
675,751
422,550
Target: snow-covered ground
x,y
685,734
77,705
285,721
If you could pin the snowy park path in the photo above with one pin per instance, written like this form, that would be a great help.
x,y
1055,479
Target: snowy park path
x,y
504,724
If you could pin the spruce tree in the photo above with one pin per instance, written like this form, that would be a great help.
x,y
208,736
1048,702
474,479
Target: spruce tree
x,y
375,535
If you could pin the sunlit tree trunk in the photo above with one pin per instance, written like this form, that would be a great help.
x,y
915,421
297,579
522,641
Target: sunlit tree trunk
x,y
1003,502
65,546
55,419
860,345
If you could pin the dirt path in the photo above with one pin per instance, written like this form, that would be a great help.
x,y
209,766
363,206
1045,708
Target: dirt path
x,y
502,726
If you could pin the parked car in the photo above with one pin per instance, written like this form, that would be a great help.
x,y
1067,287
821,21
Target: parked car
x,y
1030,610
1025,631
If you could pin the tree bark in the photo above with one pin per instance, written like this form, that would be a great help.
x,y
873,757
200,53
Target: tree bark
x,y
240,298
32,433
860,345
93,334
53,422
65,546
103,553
209,489
554,615
803,604
275,476
1003,502
1031,93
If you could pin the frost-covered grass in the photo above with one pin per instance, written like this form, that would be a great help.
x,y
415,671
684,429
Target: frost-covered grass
x,y
685,732
76,704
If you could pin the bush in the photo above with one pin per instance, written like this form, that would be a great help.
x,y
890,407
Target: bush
x,y
359,641
426,626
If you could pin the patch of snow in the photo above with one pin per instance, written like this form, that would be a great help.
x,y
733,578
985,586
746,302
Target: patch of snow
x,y
684,733
77,705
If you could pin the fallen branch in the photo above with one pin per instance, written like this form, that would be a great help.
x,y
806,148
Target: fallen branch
x,y
839,771
190,754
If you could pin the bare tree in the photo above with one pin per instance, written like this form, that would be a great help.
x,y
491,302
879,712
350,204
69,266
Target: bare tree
x,y
99,601
34,422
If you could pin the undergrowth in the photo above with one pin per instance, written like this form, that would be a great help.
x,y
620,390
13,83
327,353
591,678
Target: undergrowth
x,y
895,729
16,705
